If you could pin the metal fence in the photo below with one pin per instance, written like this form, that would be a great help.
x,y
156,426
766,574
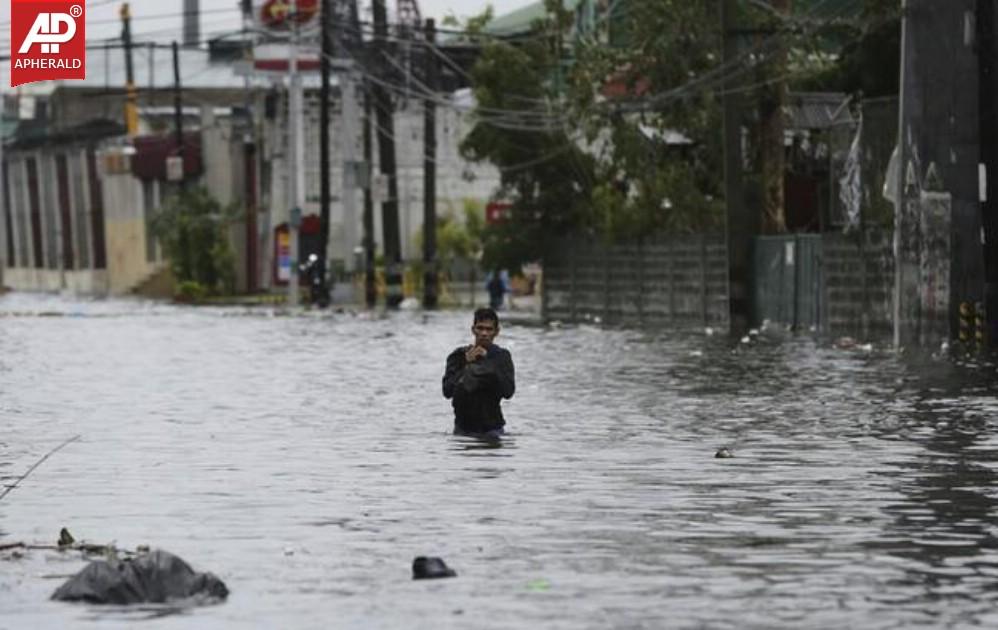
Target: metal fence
x,y
832,283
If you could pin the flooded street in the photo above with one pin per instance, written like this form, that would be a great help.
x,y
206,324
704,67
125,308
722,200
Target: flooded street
x,y
307,460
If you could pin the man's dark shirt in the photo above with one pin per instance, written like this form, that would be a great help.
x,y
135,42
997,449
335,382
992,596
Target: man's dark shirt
x,y
477,387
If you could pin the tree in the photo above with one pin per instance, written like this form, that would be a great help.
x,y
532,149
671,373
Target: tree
x,y
545,175
191,226
870,57
649,107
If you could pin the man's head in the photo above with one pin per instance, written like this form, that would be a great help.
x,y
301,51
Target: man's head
x,y
485,327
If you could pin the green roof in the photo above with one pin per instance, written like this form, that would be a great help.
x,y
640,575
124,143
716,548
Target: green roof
x,y
519,21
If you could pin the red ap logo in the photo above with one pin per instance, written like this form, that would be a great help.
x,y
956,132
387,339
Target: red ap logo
x,y
47,40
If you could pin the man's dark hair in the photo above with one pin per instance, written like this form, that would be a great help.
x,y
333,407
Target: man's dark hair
x,y
485,314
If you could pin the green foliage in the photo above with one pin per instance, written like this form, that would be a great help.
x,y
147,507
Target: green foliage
x,y
459,239
547,178
191,292
646,184
577,157
192,228
870,59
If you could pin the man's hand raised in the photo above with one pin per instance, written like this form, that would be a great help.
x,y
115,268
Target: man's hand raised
x,y
474,353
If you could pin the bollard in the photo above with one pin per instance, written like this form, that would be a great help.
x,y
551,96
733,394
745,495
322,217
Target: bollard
x,y
979,327
966,325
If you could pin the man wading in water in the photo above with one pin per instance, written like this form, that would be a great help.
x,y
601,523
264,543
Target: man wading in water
x,y
477,376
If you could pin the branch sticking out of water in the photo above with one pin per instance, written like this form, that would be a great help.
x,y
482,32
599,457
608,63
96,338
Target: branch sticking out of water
x,y
36,465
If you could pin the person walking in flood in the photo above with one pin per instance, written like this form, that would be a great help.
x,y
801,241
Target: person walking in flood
x,y
477,376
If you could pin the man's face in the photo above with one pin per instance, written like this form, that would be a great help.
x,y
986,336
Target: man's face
x,y
484,330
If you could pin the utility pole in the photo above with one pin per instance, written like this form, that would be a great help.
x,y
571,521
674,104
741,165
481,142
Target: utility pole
x,y
178,108
384,115
740,228
131,104
903,267
988,108
772,130
370,286
325,25
296,157
430,173
351,126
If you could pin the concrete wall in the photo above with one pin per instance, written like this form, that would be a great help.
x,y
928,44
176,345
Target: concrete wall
x,y
667,280
125,230
859,280
849,283
53,275
222,153
940,125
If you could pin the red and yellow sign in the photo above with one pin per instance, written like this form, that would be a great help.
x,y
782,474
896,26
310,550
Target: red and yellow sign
x,y
277,13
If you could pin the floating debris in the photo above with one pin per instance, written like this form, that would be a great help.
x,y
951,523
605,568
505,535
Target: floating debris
x,y
156,577
428,568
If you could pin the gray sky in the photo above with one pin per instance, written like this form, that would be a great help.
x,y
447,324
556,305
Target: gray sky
x,y
159,19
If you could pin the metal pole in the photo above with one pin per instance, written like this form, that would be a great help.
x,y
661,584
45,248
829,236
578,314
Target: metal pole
x,y
324,194
370,286
131,106
739,230
384,113
351,124
902,158
296,161
430,176
178,113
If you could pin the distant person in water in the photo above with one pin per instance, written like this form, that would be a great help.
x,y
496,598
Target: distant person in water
x,y
477,376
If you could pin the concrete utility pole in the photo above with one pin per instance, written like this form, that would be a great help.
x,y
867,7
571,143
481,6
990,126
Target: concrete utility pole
x,y
370,285
772,131
178,107
384,113
192,23
326,52
987,52
902,269
296,157
739,227
351,126
131,104
430,173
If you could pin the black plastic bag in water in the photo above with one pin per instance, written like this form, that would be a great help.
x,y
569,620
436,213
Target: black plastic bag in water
x,y
155,577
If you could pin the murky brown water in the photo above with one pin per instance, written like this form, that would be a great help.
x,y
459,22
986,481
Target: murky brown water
x,y
306,460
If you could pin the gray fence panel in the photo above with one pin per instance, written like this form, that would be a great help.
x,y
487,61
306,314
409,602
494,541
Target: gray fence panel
x,y
654,281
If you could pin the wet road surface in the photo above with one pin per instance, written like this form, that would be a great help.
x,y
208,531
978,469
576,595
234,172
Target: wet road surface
x,y
306,460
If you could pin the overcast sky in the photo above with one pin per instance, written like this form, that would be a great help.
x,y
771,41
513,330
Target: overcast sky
x,y
160,19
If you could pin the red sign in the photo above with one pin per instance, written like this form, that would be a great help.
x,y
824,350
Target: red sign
x,y
497,212
48,40
275,13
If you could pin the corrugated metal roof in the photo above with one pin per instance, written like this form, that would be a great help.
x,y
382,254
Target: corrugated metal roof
x,y
817,110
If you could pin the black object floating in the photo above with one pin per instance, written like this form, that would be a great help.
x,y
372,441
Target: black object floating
x,y
428,568
155,577
723,453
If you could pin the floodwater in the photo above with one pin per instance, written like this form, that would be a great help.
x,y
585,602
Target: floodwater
x,y
306,460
